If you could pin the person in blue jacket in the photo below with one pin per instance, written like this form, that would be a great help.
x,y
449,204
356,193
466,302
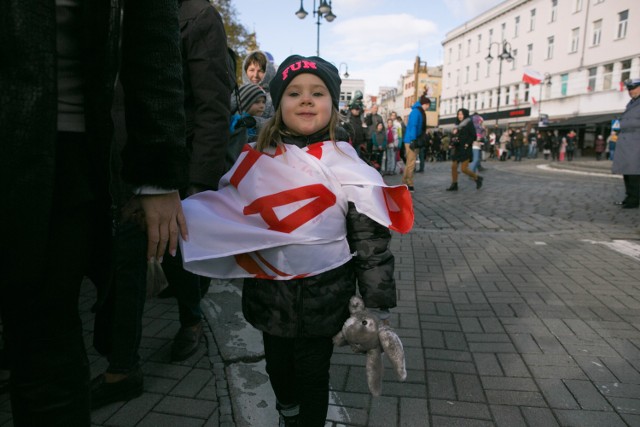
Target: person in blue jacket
x,y
414,137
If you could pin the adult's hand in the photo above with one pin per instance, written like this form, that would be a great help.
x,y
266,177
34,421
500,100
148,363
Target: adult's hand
x,y
165,219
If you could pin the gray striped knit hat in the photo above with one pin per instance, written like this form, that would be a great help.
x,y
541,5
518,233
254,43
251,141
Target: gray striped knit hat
x,y
249,93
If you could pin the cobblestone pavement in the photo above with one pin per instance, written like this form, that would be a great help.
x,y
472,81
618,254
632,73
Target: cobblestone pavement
x,y
519,305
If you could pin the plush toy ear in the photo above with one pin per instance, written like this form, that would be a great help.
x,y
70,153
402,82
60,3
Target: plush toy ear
x,y
356,304
392,346
374,371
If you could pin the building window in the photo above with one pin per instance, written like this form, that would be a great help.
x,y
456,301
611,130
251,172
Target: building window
x,y
507,95
484,95
529,54
475,102
503,30
625,71
575,40
468,47
550,42
526,92
490,98
593,75
577,5
479,43
466,74
597,32
607,76
490,37
459,51
477,71
623,18
514,53
554,10
458,77
488,73
448,80
564,82
532,20
450,54
516,26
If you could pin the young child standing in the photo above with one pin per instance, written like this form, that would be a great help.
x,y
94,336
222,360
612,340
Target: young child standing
x,y
306,222
252,102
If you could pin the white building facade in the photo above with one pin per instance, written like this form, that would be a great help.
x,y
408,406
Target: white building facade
x,y
582,49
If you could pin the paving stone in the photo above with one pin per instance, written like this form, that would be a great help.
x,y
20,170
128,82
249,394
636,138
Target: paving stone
x,y
557,394
459,409
413,413
441,385
508,383
383,412
469,388
587,395
589,418
539,417
516,398
507,416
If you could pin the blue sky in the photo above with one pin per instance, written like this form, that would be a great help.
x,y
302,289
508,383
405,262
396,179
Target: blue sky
x,y
377,39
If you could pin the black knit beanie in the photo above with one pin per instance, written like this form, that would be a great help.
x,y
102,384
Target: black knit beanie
x,y
295,65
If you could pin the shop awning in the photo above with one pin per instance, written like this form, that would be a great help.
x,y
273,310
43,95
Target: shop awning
x,y
579,121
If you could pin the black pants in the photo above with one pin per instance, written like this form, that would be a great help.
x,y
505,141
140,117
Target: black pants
x,y
632,189
49,383
298,370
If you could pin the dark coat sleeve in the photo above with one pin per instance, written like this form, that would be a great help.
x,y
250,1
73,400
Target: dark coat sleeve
x,y
206,56
373,261
151,76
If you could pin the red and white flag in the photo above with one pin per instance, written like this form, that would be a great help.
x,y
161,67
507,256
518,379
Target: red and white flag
x,y
532,77
262,223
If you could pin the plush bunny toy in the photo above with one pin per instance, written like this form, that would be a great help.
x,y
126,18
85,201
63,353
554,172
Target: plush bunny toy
x,y
365,333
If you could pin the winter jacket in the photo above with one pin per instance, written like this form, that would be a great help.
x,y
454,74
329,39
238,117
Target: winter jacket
x,y
317,306
207,90
627,158
463,140
379,140
151,75
416,124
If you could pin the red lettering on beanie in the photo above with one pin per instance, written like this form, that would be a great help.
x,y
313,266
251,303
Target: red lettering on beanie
x,y
297,66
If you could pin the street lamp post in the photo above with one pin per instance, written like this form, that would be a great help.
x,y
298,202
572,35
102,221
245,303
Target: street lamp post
x,y
505,54
546,81
323,11
346,70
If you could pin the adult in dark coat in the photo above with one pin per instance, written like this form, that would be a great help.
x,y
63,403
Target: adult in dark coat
x,y
464,134
59,64
627,158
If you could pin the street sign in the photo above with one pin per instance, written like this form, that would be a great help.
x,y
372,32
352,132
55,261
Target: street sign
x,y
615,125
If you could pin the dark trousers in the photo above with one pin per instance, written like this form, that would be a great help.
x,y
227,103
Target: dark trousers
x,y
49,383
118,325
632,189
186,287
298,370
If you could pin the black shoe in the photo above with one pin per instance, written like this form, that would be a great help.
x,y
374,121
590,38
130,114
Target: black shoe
x,y
630,205
288,421
103,393
186,342
411,190
453,187
479,182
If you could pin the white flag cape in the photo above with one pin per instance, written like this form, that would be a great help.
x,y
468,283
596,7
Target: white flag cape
x,y
281,215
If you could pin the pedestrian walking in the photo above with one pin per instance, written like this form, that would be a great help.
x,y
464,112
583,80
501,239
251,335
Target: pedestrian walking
x,y
464,134
611,144
572,142
599,147
627,159
298,294
414,137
